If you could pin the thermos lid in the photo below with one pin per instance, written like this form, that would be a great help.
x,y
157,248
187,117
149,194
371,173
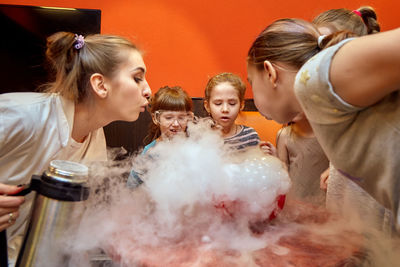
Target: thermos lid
x,y
67,172
63,180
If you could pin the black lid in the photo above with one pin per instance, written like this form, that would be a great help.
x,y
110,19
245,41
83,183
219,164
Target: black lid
x,y
64,180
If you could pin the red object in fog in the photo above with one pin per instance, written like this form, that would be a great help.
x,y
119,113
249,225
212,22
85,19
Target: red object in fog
x,y
280,202
228,207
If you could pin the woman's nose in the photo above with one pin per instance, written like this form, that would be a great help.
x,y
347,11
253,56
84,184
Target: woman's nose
x,y
146,90
225,108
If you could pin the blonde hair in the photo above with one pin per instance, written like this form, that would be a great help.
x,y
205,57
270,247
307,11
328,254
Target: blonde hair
x,y
73,67
231,78
343,19
167,98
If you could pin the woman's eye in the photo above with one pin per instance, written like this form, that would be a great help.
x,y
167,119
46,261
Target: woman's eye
x,y
137,79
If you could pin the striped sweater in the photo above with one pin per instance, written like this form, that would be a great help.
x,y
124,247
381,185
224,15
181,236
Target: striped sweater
x,y
246,137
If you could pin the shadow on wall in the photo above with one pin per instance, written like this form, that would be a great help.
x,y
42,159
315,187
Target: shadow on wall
x,y
130,135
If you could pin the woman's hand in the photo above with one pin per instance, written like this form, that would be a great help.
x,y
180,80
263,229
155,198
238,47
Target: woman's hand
x,y
9,205
268,148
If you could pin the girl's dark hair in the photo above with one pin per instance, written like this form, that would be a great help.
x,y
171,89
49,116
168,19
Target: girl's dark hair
x,y
346,20
73,67
167,98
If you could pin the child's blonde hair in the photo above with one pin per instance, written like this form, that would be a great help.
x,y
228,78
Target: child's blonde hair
x,y
231,78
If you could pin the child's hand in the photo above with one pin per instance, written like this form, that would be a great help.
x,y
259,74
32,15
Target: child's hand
x,y
323,180
268,148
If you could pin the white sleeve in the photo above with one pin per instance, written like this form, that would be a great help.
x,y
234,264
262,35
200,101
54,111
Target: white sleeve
x,y
316,94
16,129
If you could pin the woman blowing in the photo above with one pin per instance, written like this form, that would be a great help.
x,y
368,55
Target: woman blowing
x,y
98,79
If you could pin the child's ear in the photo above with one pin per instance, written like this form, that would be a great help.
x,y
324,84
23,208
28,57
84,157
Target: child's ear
x,y
242,105
207,106
97,81
153,117
271,70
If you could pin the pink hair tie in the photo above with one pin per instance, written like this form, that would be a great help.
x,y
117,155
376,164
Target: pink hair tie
x,y
358,13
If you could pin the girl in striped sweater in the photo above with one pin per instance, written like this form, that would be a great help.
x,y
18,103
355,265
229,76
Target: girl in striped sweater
x,y
224,99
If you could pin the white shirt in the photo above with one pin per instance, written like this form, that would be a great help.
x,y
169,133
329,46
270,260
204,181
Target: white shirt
x,y
35,128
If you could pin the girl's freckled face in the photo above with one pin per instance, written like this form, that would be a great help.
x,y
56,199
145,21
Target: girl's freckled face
x,y
224,104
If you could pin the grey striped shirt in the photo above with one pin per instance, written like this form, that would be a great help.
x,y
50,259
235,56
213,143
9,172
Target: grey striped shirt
x,y
246,137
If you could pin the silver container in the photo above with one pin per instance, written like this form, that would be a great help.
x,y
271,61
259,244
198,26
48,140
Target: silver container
x,y
56,212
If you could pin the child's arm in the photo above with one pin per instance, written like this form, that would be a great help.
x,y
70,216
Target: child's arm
x,y
367,69
323,180
281,148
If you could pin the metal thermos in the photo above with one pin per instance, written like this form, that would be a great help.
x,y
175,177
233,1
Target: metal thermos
x,y
56,212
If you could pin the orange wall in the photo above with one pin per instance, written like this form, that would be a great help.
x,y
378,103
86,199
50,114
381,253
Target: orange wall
x,y
187,41
266,129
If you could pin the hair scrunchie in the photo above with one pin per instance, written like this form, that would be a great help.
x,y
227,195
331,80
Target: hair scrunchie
x,y
79,41
320,39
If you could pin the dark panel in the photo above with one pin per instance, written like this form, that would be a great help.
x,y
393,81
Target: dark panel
x,y
249,105
24,30
198,107
129,135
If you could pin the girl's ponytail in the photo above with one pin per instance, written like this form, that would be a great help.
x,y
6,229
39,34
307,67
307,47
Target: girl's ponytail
x,y
369,17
